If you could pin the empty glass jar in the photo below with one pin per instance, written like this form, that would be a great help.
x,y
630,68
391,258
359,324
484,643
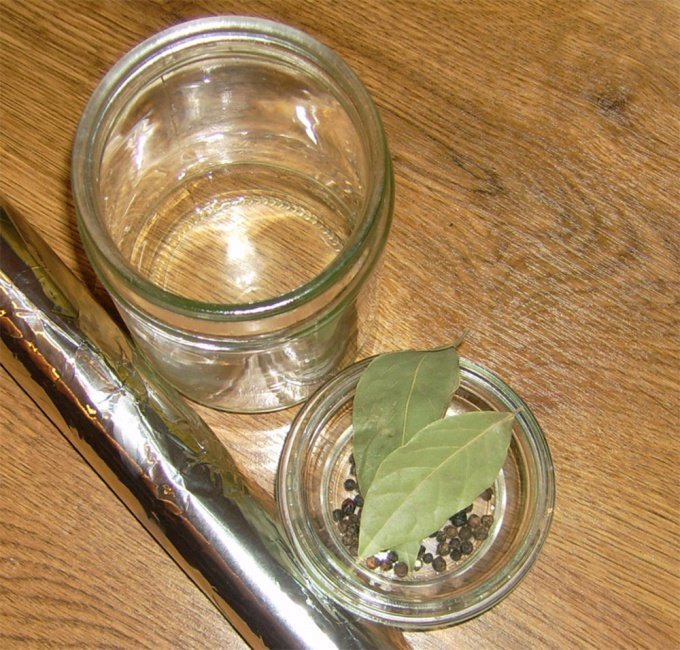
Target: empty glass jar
x,y
234,193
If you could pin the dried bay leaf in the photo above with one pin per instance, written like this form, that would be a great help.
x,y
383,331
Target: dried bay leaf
x,y
440,471
398,394
408,553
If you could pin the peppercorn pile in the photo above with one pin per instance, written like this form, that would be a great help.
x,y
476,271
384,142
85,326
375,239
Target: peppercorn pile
x,y
444,549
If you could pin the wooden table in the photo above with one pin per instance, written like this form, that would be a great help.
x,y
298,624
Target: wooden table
x,y
536,159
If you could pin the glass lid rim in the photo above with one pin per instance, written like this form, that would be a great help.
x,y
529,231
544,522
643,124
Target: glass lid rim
x,y
338,391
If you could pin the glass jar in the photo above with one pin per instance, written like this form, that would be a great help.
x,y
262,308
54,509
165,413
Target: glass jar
x,y
315,464
234,193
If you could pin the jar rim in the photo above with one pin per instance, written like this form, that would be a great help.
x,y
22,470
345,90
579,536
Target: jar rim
x,y
375,220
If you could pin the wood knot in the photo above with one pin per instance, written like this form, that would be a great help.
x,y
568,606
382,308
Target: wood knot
x,y
613,102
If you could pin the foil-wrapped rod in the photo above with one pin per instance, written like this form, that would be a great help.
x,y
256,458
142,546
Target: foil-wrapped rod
x,y
157,455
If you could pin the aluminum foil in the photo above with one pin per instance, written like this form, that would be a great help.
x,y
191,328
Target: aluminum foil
x,y
155,452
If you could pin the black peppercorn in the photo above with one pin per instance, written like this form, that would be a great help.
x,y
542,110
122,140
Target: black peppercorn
x,y
443,548
450,532
480,533
359,501
372,562
337,514
350,485
348,507
474,521
487,520
427,558
466,547
401,569
455,554
465,532
439,564
459,519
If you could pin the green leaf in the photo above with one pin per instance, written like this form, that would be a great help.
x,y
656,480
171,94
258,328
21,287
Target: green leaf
x,y
408,553
398,394
440,471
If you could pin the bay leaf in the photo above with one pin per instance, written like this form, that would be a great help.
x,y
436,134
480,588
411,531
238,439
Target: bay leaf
x,y
408,553
398,394
440,471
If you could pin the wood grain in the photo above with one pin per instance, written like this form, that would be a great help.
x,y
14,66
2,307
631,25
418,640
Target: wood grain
x,y
536,159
